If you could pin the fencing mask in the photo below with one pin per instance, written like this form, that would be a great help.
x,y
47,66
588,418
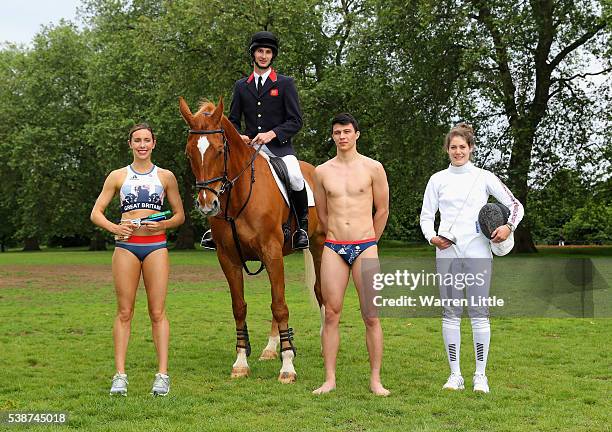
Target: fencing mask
x,y
490,217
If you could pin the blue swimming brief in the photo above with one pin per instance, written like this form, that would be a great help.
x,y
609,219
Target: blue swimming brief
x,y
349,250
142,246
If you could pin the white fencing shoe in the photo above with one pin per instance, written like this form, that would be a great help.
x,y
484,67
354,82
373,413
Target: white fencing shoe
x,y
454,382
481,383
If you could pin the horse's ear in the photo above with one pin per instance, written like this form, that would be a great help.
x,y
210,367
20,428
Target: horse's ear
x,y
185,111
218,112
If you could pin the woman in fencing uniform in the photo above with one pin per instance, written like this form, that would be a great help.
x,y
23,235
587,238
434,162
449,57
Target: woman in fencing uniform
x,y
458,193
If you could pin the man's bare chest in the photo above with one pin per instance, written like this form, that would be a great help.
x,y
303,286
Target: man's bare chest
x,y
348,185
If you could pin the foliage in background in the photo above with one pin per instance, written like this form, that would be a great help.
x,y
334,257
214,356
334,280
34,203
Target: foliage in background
x,y
591,224
406,70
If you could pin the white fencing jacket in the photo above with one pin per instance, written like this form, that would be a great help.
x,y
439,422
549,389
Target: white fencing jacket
x,y
449,189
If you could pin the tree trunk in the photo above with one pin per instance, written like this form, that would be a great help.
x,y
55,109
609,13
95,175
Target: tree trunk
x,y
523,241
523,133
185,239
98,242
31,244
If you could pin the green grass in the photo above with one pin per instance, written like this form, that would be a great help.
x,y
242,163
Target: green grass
x,y
56,354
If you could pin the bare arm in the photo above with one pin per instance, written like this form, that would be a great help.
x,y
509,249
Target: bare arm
x,y
97,213
174,198
380,195
320,197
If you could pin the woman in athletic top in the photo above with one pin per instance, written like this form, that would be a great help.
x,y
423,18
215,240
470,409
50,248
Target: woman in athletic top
x,y
458,193
140,249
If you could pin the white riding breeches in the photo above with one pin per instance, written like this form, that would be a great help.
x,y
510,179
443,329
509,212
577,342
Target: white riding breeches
x,y
296,179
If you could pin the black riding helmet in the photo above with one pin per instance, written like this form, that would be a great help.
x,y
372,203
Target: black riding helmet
x,y
264,39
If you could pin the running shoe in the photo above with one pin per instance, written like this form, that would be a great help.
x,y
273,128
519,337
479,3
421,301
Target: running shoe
x,y
119,385
161,385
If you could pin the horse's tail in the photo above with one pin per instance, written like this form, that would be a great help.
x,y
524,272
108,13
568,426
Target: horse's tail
x,y
310,276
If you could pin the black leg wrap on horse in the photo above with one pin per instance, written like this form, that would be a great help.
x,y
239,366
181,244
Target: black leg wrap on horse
x,y
300,203
242,335
286,336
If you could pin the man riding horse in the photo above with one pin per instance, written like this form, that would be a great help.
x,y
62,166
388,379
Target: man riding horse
x,y
269,103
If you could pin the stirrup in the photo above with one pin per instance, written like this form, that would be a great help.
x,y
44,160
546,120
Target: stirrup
x,y
243,335
286,336
298,232
207,241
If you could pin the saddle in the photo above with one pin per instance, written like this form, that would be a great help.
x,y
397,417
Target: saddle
x,y
283,174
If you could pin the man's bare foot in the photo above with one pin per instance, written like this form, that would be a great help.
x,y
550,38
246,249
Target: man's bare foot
x,y
325,388
379,390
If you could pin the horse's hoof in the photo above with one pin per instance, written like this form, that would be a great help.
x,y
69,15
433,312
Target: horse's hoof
x,y
240,372
287,377
268,355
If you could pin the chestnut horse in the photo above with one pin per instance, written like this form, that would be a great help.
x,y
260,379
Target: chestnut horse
x,y
237,192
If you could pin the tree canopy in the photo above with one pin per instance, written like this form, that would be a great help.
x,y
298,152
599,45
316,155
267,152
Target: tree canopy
x,y
532,77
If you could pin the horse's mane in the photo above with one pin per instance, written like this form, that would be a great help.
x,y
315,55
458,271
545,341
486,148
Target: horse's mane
x,y
206,107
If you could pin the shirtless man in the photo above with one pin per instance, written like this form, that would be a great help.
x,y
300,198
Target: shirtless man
x,y
346,187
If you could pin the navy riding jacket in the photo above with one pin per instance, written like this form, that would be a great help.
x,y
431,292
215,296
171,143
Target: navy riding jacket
x,y
276,107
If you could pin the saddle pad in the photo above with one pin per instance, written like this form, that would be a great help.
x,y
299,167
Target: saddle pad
x,y
281,187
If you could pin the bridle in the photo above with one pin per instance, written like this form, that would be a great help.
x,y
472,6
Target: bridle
x,y
223,178
227,185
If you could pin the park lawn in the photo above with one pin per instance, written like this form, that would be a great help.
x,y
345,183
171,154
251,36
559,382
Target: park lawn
x,y
56,354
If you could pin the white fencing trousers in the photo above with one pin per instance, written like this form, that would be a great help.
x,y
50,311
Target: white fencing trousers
x,y
455,274
472,256
296,179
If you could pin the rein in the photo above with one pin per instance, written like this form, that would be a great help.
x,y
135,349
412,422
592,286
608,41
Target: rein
x,y
228,185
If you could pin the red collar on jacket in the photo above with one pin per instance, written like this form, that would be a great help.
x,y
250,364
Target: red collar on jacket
x,y
272,76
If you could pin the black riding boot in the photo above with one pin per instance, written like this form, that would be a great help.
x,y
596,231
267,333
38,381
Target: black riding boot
x,y
207,241
300,202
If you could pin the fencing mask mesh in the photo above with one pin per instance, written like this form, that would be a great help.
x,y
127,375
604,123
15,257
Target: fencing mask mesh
x,y
491,216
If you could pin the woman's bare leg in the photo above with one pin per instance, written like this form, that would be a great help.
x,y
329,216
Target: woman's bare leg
x,y
126,275
155,270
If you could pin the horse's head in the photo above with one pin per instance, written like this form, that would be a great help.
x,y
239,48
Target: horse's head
x,y
206,152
